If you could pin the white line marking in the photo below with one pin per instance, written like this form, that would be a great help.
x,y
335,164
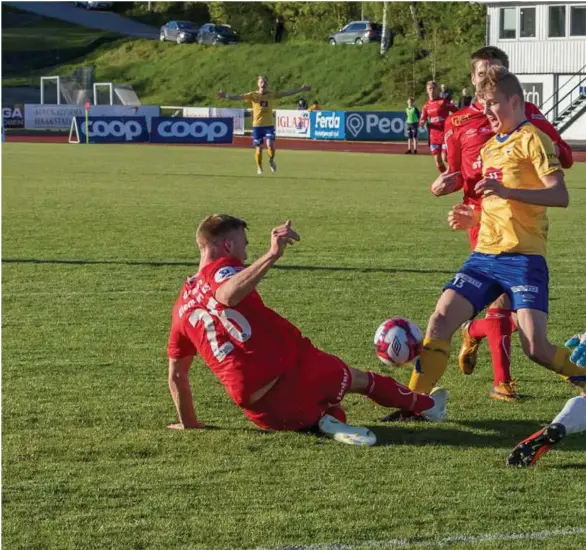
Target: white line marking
x,y
434,542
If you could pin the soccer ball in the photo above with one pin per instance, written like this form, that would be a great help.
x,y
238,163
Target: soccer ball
x,y
398,341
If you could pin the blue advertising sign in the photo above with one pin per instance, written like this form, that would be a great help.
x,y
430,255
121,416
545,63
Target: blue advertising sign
x,y
373,126
192,130
327,125
112,129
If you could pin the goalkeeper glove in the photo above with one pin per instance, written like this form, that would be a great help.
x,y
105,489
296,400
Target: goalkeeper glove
x,y
577,344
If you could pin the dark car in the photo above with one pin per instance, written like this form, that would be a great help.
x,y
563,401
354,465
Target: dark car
x,y
357,32
179,31
216,34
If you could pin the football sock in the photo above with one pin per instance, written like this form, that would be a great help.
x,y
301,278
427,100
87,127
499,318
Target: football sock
x,y
258,158
389,393
337,412
573,415
431,365
271,152
566,369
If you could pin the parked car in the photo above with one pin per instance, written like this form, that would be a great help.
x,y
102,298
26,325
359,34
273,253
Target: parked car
x,y
216,34
179,31
94,5
357,32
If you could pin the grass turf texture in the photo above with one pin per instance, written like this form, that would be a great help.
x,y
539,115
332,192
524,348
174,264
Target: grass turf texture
x,y
87,459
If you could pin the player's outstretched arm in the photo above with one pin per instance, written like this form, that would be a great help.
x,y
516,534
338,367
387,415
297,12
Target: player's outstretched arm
x,y
235,289
224,95
286,93
181,394
554,193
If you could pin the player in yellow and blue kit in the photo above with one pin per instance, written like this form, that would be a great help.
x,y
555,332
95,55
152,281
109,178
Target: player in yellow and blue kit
x,y
263,127
522,177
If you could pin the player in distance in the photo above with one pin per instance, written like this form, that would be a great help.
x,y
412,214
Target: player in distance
x,y
522,176
467,131
435,113
263,127
268,368
571,419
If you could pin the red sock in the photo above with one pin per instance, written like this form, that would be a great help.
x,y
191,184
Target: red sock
x,y
338,413
389,393
497,327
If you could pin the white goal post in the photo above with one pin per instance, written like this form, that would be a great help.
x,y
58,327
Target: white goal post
x,y
106,85
46,79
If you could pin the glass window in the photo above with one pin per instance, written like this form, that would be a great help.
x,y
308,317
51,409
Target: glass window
x,y
508,27
352,28
557,21
578,21
527,23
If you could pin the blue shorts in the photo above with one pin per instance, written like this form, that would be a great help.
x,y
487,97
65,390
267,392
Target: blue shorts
x,y
260,133
524,278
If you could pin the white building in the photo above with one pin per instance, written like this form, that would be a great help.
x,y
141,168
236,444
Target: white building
x,y
546,45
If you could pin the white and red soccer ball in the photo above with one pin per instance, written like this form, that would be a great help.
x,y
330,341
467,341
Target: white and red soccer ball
x,y
398,341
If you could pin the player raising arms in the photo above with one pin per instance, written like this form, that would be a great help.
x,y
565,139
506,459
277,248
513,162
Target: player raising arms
x,y
273,373
263,127
571,419
435,112
521,177
466,133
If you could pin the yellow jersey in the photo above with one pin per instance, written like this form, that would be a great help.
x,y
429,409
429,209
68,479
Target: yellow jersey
x,y
518,160
262,107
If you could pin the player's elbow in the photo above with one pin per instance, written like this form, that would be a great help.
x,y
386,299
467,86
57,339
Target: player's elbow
x,y
227,297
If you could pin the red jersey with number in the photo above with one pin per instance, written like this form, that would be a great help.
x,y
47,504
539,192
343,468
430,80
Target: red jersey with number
x,y
468,130
246,346
436,111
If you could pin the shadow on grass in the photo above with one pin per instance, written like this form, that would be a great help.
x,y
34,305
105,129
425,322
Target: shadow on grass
x,y
171,263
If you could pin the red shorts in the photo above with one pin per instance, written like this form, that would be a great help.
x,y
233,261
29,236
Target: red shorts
x,y
303,394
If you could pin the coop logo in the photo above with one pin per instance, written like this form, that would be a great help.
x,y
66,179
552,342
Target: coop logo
x,y
190,130
113,129
327,125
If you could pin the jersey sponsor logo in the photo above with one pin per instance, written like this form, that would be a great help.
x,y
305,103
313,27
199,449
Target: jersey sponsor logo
x,y
525,288
225,273
263,103
460,119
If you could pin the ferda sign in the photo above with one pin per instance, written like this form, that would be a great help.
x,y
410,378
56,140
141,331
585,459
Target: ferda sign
x,y
327,125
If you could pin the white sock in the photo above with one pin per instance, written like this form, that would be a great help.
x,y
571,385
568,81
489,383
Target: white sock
x,y
573,415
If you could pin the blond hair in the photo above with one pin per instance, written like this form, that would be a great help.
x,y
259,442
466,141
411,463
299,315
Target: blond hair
x,y
499,79
216,226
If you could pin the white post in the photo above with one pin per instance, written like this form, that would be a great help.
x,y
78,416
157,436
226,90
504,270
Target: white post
x,y
384,31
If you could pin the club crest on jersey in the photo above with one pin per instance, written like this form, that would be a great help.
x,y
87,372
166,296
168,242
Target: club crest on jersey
x,y
225,273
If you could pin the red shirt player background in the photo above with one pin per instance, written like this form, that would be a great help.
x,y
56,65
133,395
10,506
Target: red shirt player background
x,y
466,133
436,110
268,368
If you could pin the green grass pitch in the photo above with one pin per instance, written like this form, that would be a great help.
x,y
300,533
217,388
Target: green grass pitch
x,y
87,461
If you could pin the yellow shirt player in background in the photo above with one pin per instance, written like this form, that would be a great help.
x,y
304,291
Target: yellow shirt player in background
x,y
263,127
522,177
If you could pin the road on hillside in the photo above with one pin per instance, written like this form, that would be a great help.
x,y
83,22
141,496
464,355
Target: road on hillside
x,y
107,21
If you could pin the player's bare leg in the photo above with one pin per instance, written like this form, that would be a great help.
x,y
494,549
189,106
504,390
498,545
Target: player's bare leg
x,y
439,163
271,151
258,158
414,146
532,325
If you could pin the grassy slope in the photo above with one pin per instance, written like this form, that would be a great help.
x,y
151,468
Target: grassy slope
x,y
342,77
87,460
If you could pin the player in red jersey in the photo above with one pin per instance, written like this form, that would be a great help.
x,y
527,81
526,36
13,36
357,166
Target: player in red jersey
x,y
436,110
466,133
268,368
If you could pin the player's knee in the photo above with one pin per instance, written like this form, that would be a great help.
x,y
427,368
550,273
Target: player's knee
x,y
535,350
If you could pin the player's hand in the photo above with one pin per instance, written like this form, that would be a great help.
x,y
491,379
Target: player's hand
x,y
463,216
447,183
282,236
180,426
488,186
577,344
221,95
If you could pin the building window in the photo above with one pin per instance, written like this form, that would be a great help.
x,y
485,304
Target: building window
x,y
508,27
557,21
578,21
527,23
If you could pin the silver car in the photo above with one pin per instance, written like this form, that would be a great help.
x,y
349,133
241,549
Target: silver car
x,y
357,32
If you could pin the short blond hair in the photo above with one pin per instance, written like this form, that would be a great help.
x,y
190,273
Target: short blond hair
x,y
433,82
216,226
499,78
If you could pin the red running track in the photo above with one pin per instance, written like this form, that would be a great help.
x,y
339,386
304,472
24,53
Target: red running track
x,y
390,147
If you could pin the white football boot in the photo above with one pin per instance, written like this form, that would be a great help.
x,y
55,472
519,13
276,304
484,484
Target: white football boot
x,y
351,435
259,171
438,412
